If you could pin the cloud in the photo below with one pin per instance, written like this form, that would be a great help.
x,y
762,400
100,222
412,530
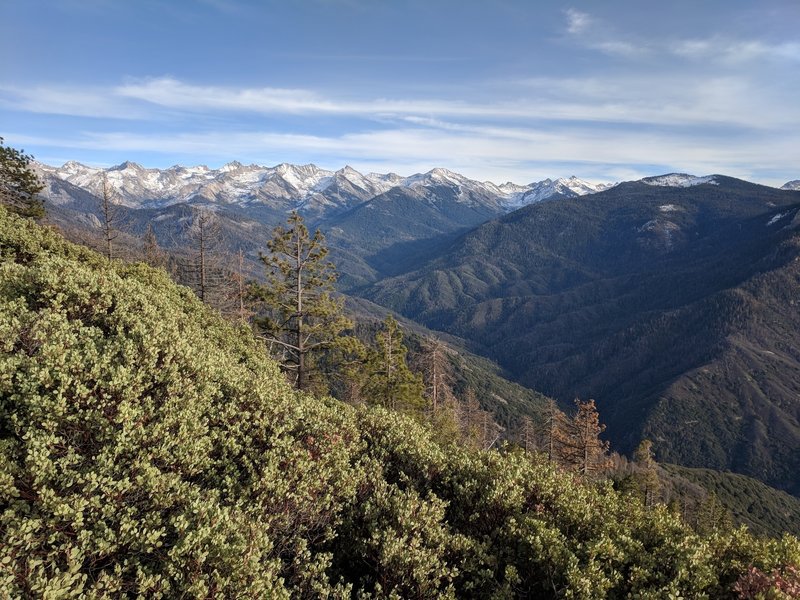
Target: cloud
x,y
485,152
735,51
577,22
84,101
596,35
699,105
677,99
172,93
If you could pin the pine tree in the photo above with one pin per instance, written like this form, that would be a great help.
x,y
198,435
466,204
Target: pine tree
x,y
109,210
584,451
203,269
526,434
299,318
553,436
478,429
711,516
19,185
239,287
205,234
342,370
445,422
437,374
152,253
648,476
390,382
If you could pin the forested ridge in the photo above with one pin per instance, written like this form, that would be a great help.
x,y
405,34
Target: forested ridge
x,y
673,307
149,447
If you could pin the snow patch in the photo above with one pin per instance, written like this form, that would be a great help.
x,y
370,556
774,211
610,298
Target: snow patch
x,y
679,180
776,218
791,185
547,188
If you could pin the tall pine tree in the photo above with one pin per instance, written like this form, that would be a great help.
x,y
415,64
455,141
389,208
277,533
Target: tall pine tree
x,y
553,436
584,451
152,253
647,477
434,364
110,211
479,430
390,382
299,317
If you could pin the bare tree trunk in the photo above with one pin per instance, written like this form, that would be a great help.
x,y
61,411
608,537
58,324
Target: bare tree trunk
x,y
301,352
240,286
201,224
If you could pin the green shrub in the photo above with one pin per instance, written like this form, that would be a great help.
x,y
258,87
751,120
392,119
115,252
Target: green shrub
x,y
149,448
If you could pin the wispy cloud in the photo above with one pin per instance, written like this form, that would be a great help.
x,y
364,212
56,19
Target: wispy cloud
x,y
498,153
593,33
83,101
735,51
597,35
678,99
577,22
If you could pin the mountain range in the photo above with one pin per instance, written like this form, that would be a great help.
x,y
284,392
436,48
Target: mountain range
x,y
670,300
376,224
306,188
674,306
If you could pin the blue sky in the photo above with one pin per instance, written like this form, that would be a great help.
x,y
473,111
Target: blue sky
x,y
498,90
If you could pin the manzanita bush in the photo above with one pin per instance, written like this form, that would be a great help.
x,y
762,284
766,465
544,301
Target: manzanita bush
x,y
150,448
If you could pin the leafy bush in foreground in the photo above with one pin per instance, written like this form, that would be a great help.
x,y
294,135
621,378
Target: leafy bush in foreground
x,y
149,448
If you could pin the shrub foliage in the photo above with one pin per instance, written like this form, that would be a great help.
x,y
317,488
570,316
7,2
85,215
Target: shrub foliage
x,y
149,448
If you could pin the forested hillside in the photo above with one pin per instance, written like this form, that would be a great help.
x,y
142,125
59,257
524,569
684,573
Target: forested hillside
x,y
763,509
673,307
147,447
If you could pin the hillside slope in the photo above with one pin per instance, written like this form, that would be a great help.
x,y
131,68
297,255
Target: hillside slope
x,y
672,307
149,448
765,510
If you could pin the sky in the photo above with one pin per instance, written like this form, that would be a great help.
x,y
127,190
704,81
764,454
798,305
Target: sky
x,y
499,90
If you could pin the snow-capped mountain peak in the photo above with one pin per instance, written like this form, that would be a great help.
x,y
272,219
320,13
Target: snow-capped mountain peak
x,y
307,187
548,188
234,165
791,185
678,180
127,166
435,176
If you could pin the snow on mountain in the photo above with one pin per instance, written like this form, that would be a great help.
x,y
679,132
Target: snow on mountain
x,y
372,184
678,180
438,177
548,188
304,187
791,185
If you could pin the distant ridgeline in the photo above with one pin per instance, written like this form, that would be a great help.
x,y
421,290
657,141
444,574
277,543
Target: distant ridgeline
x,y
148,447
